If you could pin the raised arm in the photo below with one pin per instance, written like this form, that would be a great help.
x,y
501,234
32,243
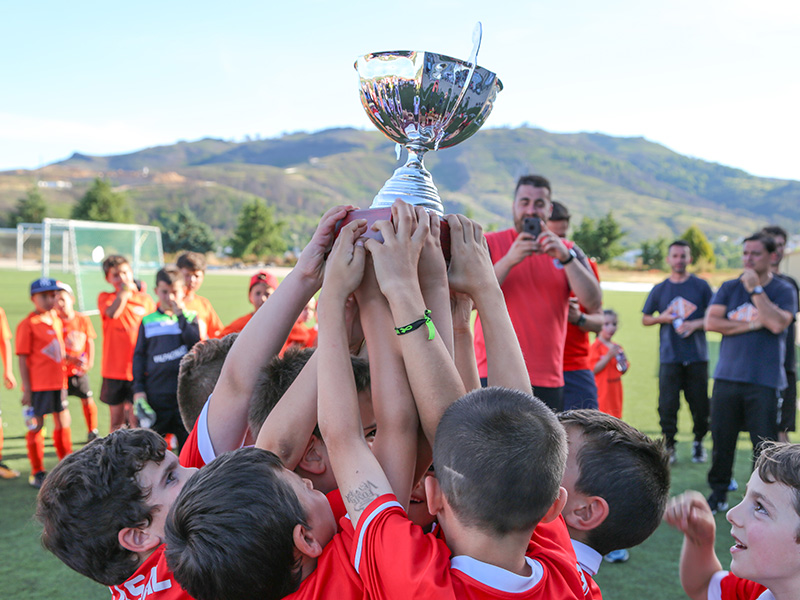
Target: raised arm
x,y
689,513
395,444
463,346
263,337
434,380
358,473
581,280
470,272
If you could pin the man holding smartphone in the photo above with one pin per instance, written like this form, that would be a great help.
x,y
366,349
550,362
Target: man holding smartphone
x,y
537,273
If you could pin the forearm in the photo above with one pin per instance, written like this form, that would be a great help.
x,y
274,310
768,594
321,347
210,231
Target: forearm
x,y
290,424
698,565
464,358
434,380
592,322
139,363
726,326
115,310
396,416
24,375
505,362
584,285
190,330
437,299
89,354
772,317
5,352
601,364
502,268
649,320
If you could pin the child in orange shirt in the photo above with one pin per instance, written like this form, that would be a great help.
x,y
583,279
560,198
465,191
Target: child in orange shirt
x,y
121,312
610,364
6,472
193,268
40,347
79,336
262,284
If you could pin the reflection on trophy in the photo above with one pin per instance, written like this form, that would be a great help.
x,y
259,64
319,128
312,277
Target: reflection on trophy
x,y
423,101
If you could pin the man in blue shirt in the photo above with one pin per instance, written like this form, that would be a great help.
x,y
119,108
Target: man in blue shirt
x,y
752,313
681,301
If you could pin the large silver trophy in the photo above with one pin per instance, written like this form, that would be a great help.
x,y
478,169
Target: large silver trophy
x,y
424,101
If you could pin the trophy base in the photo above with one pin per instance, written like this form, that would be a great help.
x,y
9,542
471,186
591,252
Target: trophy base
x,y
413,184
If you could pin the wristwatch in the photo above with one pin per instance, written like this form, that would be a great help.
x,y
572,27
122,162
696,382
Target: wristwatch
x,y
757,290
572,256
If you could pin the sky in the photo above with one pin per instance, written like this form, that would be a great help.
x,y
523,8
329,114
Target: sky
x,y
713,79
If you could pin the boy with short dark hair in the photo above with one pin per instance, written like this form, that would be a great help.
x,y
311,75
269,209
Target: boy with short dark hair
x,y
617,481
765,558
40,348
193,269
165,336
79,336
198,374
103,510
121,312
262,285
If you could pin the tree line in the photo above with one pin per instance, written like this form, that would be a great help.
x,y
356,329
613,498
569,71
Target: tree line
x,y
258,234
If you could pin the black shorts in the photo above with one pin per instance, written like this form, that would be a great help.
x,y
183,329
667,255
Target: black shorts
x,y
51,401
78,385
116,391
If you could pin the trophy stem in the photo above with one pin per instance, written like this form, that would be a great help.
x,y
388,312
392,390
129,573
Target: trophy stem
x,y
412,183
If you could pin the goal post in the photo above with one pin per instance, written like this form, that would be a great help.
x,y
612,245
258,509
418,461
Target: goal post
x,y
79,248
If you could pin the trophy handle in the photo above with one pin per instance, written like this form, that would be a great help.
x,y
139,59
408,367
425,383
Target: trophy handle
x,y
477,35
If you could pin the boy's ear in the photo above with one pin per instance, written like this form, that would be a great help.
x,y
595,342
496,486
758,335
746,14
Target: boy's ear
x,y
557,506
314,458
306,542
137,539
586,512
434,495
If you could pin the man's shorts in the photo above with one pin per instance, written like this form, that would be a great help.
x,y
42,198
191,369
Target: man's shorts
x,y
78,385
116,391
51,401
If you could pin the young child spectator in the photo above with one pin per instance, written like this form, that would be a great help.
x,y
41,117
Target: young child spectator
x,y
165,336
40,348
10,383
79,336
610,364
103,510
262,284
765,557
617,481
198,374
302,335
121,312
193,268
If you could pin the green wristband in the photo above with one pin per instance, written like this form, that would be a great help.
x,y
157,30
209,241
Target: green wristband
x,y
425,320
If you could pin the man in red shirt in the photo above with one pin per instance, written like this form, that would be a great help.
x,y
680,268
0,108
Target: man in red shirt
x,y
537,275
121,312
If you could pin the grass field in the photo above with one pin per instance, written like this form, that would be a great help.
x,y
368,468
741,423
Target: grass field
x,y
29,572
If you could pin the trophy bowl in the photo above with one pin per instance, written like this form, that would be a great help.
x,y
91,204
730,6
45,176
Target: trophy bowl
x,y
423,101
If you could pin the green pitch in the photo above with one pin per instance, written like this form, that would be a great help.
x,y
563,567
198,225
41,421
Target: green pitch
x,y
29,572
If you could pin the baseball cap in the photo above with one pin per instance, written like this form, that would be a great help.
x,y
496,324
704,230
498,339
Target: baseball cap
x,y
264,276
45,284
65,287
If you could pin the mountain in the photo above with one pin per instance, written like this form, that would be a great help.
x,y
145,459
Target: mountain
x,y
652,190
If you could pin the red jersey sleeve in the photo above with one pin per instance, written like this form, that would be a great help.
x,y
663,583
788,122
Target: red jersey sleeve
x,y
24,341
395,559
727,586
152,580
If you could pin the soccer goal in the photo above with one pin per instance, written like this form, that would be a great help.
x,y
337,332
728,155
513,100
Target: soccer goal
x,y
79,248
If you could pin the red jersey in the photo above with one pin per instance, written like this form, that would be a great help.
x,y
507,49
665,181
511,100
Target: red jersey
x,y
40,338
300,336
77,333
576,346
537,294
119,335
396,560
237,325
727,586
609,381
197,450
152,580
210,324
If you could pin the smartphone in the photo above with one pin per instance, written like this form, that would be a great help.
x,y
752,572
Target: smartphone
x,y
532,225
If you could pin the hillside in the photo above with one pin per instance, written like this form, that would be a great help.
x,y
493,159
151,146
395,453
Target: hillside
x,y
652,190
